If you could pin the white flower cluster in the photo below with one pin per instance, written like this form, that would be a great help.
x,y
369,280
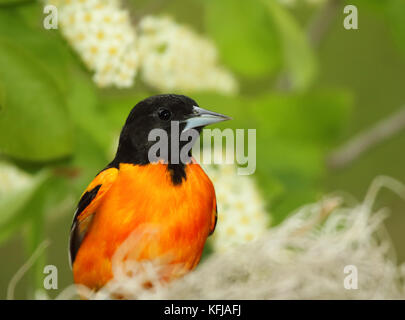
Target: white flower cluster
x,y
175,58
241,209
12,179
102,34
172,57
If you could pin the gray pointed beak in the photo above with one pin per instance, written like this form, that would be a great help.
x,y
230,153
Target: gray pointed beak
x,y
202,117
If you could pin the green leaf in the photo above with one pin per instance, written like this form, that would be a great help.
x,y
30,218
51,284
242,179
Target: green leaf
x,y
316,118
299,60
34,124
245,35
377,5
89,159
25,24
2,98
13,2
83,104
11,215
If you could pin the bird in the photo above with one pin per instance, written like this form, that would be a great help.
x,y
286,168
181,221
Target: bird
x,y
133,194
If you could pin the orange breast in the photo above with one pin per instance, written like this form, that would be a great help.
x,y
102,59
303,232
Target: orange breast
x,y
170,222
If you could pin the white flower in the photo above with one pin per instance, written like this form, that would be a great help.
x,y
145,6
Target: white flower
x,y
242,216
12,179
175,58
101,33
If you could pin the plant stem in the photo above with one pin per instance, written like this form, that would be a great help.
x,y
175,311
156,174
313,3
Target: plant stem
x,y
362,142
322,21
33,238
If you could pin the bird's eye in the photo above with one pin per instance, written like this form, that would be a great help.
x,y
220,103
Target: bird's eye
x,y
164,114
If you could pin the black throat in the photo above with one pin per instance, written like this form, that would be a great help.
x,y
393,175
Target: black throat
x,y
137,154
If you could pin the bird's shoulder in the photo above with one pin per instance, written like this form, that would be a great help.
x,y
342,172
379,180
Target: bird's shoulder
x,y
87,207
95,191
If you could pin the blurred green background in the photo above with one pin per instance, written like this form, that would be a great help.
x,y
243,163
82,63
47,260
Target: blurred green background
x,y
306,84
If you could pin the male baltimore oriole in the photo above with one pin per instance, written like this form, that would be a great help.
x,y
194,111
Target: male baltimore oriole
x,y
133,194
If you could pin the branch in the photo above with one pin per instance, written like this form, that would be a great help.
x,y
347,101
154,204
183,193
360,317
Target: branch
x,y
322,21
362,142
317,29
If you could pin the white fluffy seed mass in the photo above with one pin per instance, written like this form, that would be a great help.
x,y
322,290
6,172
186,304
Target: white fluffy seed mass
x,y
319,252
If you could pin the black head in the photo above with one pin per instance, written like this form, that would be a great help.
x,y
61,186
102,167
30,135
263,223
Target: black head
x,y
159,112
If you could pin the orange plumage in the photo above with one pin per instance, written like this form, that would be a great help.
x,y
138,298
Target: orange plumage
x,y
135,196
